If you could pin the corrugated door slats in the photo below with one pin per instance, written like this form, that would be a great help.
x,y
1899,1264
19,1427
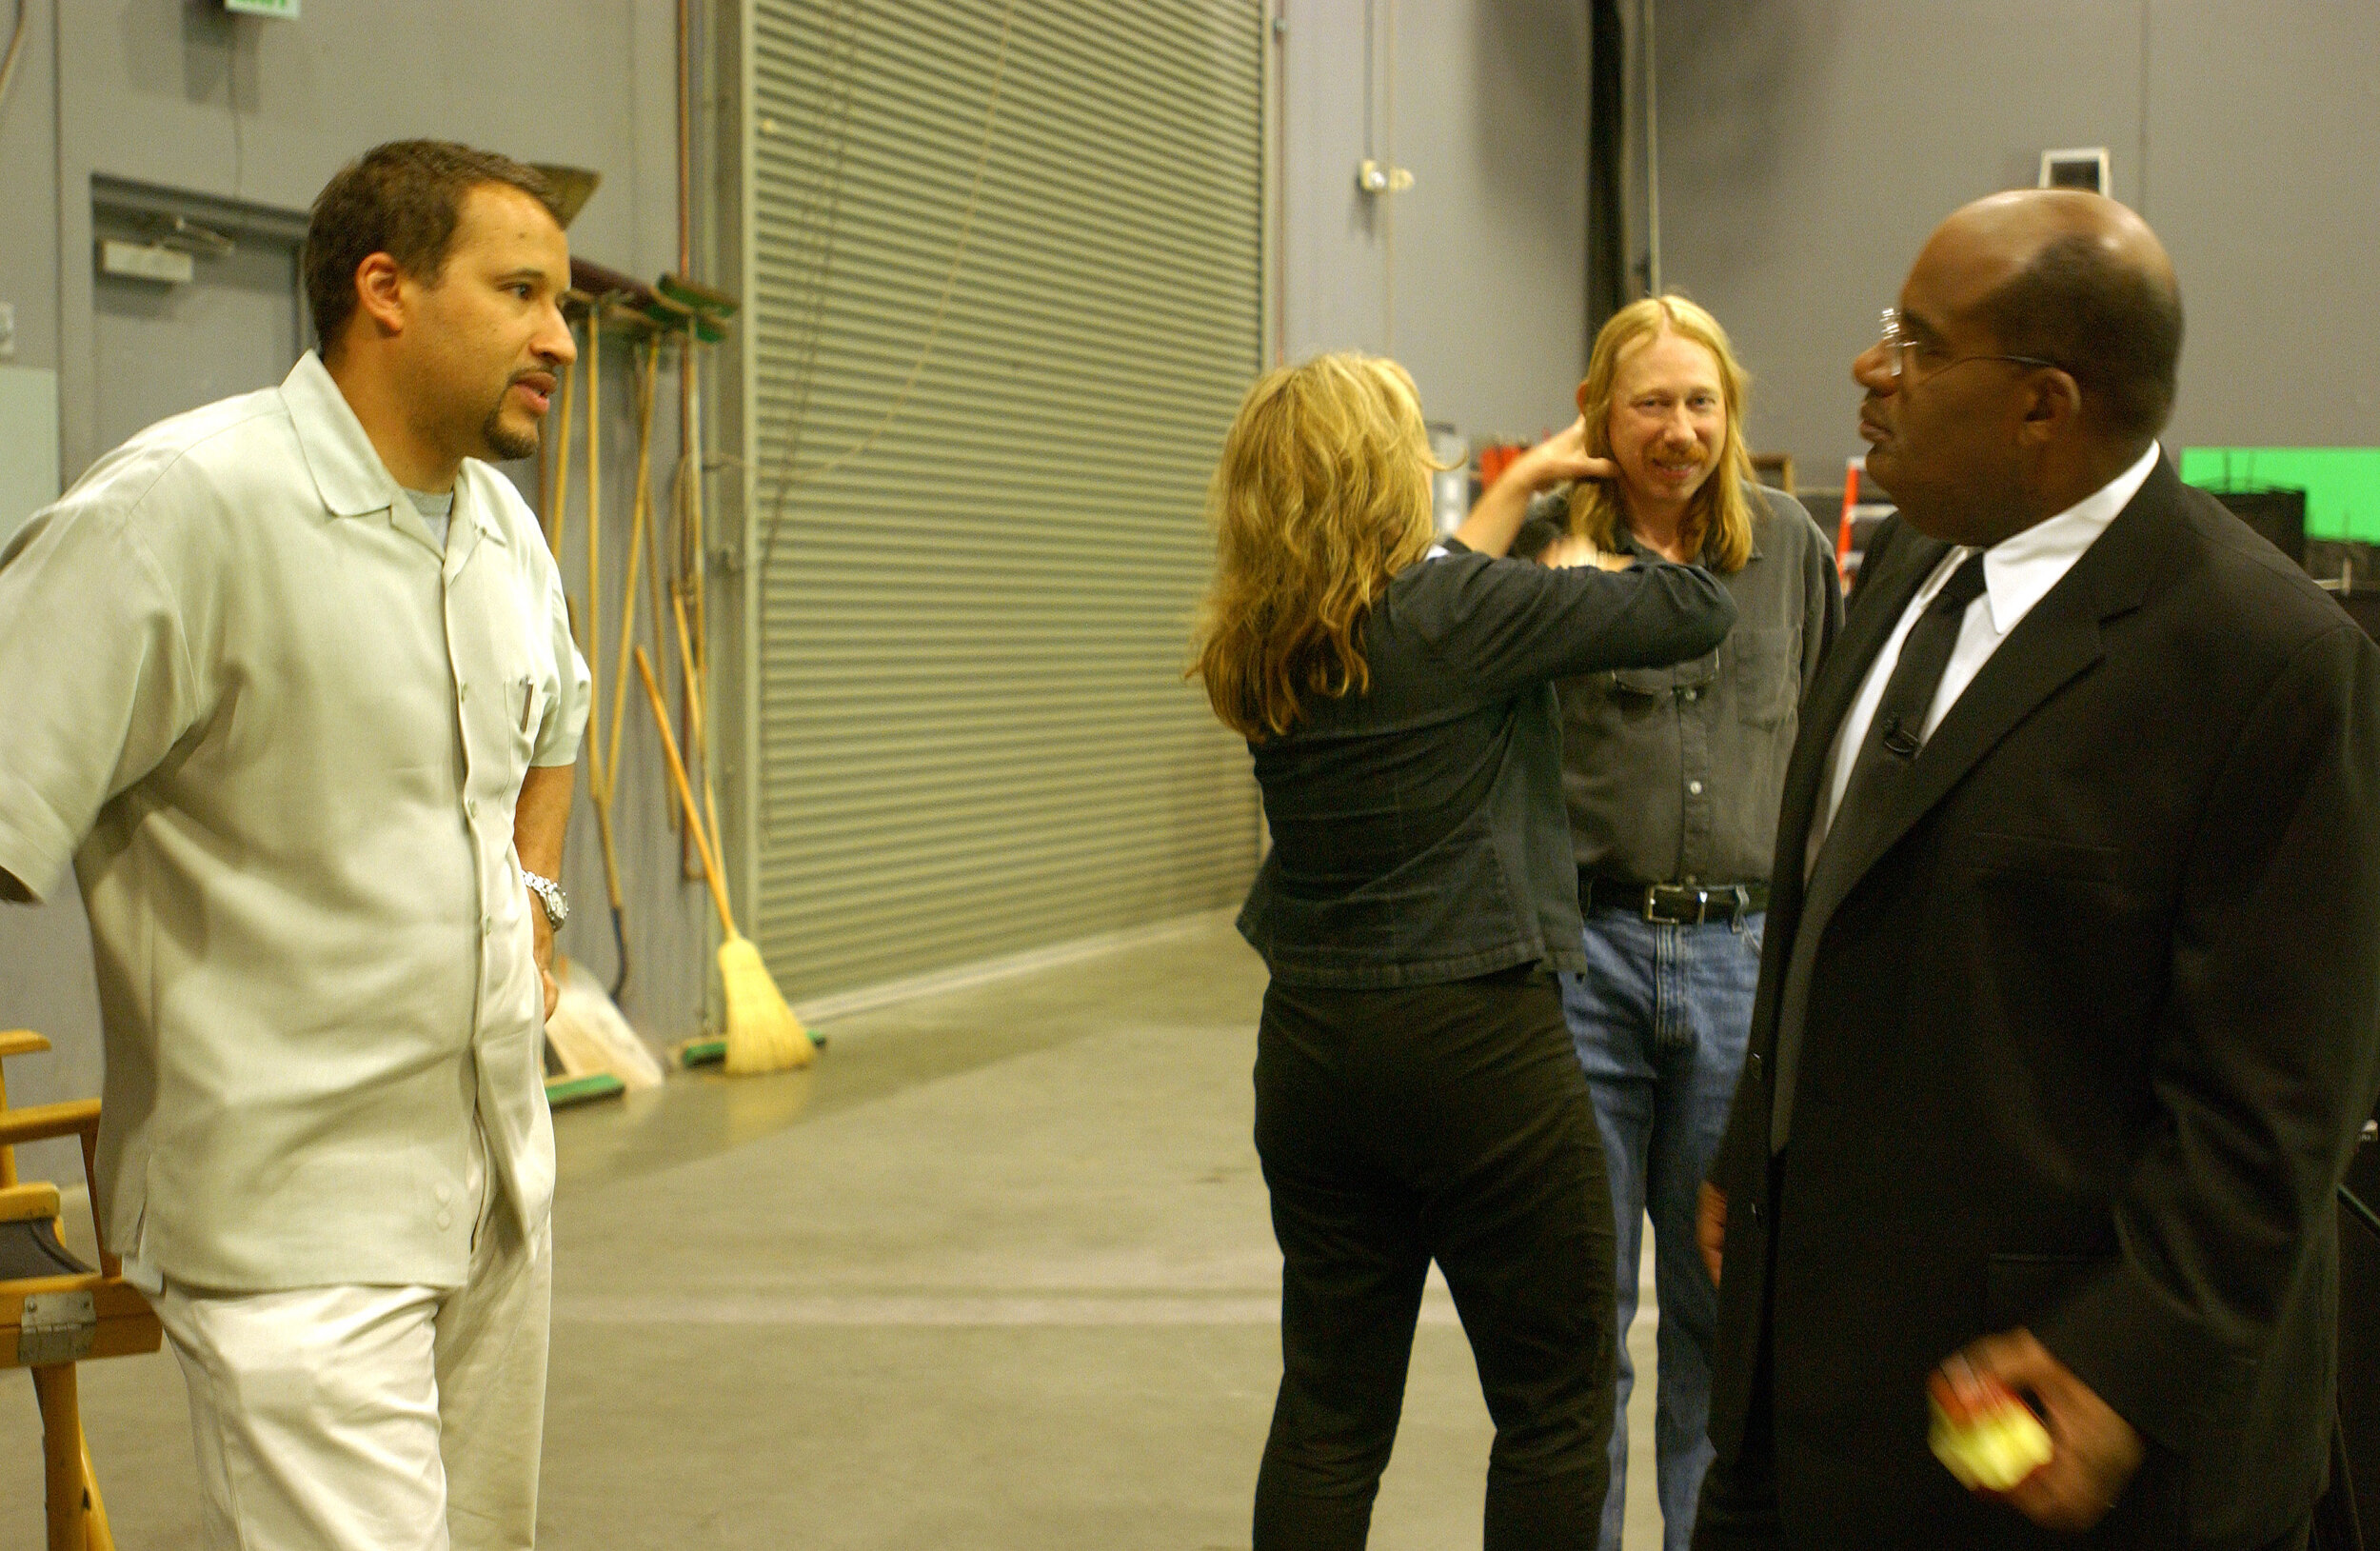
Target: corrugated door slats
x,y
974,737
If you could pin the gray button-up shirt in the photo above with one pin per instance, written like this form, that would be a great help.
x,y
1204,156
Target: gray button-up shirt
x,y
1675,773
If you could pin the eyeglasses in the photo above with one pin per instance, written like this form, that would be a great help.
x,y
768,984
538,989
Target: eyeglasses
x,y
1899,347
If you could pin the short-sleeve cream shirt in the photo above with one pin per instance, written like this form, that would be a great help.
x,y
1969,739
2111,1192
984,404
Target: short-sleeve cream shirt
x,y
280,735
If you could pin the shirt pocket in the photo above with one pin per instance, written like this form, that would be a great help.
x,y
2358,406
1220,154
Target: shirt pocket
x,y
529,691
1654,683
1993,853
498,653
1763,671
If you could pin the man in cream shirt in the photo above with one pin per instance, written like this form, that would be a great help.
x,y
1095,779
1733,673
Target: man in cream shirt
x,y
290,680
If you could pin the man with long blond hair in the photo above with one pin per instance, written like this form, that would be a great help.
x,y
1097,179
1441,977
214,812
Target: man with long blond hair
x,y
1416,1094
1672,776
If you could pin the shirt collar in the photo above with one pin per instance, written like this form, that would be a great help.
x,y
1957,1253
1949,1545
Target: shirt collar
x,y
2021,568
348,472
1629,544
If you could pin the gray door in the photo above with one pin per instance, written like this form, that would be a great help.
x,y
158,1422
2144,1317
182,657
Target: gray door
x,y
235,326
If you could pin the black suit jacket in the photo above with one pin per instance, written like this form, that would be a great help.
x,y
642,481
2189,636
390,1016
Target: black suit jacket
x,y
2088,1044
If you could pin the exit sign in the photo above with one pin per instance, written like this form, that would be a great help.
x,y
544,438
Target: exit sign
x,y
263,8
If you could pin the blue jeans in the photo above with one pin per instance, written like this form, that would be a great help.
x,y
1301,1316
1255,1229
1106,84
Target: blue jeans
x,y
1659,1020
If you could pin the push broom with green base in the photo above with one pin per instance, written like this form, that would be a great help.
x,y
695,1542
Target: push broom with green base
x,y
762,1033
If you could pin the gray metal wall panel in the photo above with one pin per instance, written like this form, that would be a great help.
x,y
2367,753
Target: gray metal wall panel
x,y
974,736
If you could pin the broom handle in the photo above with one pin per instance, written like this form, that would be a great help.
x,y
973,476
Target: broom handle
x,y
558,496
698,690
677,774
637,524
611,860
593,646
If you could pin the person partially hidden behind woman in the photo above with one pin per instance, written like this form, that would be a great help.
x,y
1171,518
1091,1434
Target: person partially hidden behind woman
x,y
1673,777
1417,1096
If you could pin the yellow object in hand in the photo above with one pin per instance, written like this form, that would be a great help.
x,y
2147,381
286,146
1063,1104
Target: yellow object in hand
x,y
1982,1433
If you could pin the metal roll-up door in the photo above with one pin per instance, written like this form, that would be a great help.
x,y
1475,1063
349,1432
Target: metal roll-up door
x,y
993,373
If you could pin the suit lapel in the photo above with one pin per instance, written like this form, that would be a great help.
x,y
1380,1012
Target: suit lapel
x,y
2055,642
1911,559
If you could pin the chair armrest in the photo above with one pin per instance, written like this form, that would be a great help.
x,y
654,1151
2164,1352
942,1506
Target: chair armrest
x,y
21,1041
75,1118
40,1122
33,1202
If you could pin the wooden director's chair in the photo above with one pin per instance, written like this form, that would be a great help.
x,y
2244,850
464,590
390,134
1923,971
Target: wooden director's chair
x,y
55,1310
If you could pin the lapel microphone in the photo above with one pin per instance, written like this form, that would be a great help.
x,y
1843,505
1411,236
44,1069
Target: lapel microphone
x,y
1900,740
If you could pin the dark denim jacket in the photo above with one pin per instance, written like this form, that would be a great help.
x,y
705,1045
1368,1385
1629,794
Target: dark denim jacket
x,y
1419,833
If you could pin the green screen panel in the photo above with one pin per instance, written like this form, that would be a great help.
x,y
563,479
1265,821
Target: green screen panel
x,y
2342,484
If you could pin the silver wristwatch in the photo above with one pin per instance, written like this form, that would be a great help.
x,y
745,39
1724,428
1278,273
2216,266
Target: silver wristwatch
x,y
549,894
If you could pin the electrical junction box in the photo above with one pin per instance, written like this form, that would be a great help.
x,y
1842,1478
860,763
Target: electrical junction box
x,y
145,261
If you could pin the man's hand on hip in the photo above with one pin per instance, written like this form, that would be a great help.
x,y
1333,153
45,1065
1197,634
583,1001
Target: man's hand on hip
x,y
2097,1451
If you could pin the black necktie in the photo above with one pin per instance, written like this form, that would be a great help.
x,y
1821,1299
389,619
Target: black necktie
x,y
1897,729
1887,756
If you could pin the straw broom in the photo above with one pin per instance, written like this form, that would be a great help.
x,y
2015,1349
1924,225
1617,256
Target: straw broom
x,y
762,1033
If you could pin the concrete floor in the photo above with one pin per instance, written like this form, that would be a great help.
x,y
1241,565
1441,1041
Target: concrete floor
x,y
996,1273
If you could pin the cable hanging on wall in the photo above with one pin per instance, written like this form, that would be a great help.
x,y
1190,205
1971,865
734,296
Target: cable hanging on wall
x,y
792,474
818,213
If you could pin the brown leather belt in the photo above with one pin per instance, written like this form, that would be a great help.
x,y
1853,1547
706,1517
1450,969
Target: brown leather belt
x,y
1676,904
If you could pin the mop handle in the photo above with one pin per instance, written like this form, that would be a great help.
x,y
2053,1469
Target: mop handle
x,y
676,774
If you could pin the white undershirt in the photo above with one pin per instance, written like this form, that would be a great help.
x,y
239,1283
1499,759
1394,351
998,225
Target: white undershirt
x,y
2017,573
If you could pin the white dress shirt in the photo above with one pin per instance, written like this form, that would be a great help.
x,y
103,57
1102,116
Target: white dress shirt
x,y
2017,573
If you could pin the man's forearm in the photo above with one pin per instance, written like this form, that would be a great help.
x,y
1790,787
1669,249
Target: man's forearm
x,y
540,819
541,816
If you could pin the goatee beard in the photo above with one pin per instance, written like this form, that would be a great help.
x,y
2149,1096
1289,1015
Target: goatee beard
x,y
502,441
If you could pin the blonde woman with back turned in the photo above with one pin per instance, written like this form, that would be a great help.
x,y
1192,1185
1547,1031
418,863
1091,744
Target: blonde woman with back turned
x,y
1416,1098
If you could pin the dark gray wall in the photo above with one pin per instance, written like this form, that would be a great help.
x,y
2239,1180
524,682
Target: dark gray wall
x,y
1474,278
175,93
1807,149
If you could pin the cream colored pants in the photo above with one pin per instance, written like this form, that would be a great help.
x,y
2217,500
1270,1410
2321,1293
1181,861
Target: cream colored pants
x,y
372,1419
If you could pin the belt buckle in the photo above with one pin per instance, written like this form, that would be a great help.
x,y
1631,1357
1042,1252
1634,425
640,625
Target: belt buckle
x,y
1735,898
1653,904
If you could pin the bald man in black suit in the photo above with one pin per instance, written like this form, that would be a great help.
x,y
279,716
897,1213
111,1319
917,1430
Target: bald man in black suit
x,y
2069,1004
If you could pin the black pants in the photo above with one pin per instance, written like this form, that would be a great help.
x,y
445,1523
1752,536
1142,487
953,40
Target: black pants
x,y
1448,1123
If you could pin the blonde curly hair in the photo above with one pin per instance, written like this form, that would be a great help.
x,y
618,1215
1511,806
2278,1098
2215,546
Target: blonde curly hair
x,y
1322,494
